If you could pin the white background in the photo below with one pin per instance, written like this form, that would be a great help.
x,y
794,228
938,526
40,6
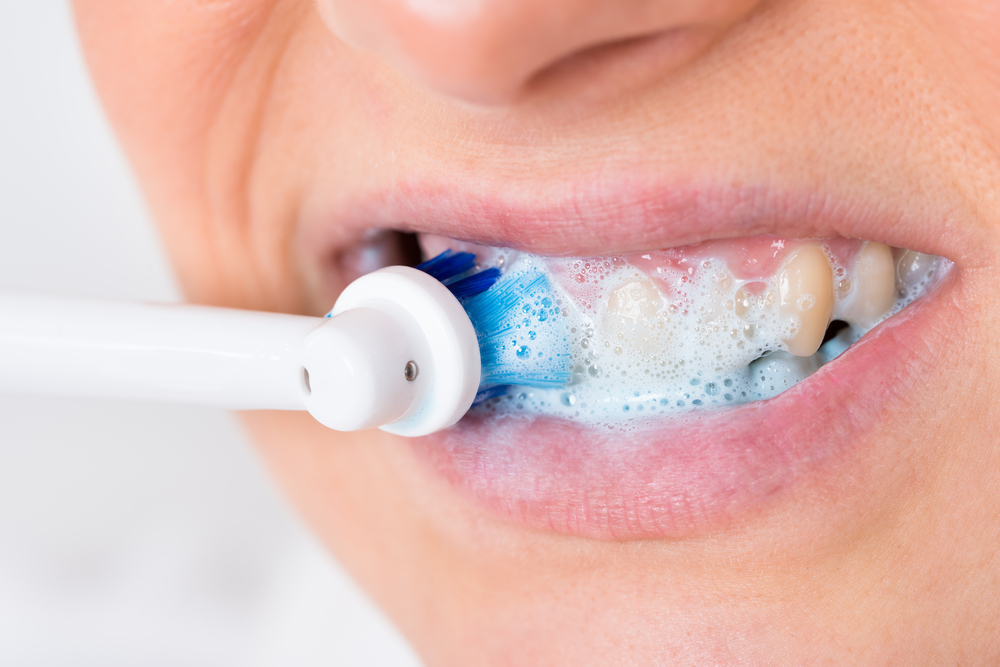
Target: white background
x,y
133,534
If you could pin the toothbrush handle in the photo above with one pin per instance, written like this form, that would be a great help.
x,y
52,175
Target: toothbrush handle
x,y
220,357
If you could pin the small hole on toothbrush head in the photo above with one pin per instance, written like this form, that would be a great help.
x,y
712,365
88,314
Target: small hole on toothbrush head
x,y
306,387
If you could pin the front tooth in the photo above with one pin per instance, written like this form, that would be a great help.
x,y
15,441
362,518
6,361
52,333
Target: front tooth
x,y
637,300
874,286
805,294
635,321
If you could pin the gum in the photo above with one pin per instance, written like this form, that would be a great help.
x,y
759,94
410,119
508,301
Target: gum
x,y
677,330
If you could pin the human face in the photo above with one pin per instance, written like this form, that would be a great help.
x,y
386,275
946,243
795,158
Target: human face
x,y
851,520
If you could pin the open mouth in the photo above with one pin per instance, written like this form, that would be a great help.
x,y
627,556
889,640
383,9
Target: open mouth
x,y
707,380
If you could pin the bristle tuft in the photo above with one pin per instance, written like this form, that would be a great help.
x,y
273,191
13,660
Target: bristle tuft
x,y
484,395
477,283
522,339
449,265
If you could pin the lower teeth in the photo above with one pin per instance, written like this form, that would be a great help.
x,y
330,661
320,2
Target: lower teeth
x,y
666,335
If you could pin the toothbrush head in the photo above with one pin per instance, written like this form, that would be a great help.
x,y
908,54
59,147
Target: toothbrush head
x,y
410,351
518,321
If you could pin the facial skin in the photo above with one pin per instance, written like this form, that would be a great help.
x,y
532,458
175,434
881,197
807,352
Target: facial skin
x,y
271,139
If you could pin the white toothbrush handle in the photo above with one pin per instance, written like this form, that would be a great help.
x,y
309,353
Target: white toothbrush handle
x,y
399,353
170,353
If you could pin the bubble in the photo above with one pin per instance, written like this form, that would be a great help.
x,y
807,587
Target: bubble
x,y
523,352
567,399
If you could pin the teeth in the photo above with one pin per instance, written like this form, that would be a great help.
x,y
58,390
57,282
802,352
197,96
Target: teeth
x,y
914,269
635,320
779,370
638,300
874,287
674,330
805,298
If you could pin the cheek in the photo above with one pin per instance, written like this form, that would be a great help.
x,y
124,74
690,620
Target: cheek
x,y
347,488
187,85
968,34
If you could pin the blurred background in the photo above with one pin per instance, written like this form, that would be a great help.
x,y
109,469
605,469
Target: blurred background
x,y
133,534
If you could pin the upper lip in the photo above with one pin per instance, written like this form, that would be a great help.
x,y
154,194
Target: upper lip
x,y
636,214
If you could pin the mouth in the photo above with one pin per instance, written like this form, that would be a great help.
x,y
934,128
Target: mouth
x,y
794,406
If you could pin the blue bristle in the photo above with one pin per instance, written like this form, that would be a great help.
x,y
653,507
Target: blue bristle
x,y
475,284
522,338
484,395
449,268
448,265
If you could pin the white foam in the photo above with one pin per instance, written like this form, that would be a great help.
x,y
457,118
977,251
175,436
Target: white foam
x,y
716,340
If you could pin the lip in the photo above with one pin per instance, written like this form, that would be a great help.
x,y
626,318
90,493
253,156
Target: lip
x,y
701,473
591,216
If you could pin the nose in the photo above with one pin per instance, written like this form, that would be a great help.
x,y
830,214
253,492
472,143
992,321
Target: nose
x,y
486,51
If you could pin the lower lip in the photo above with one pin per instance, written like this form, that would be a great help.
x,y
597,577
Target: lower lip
x,y
696,475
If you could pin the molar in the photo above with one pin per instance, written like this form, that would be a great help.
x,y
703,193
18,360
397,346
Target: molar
x,y
874,287
805,296
913,270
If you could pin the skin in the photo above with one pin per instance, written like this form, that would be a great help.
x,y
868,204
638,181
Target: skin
x,y
253,126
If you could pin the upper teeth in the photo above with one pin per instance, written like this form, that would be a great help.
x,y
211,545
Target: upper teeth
x,y
805,289
871,293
